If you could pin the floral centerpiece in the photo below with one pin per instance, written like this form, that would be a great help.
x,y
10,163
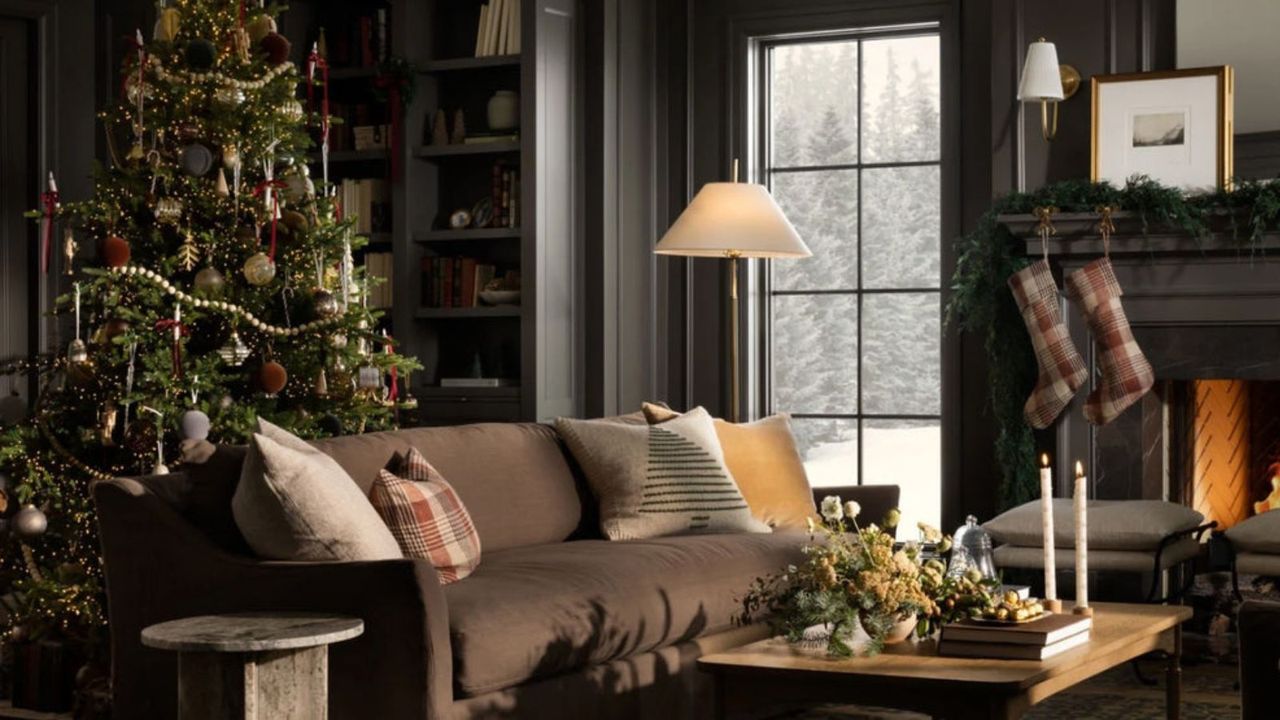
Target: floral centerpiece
x,y
857,576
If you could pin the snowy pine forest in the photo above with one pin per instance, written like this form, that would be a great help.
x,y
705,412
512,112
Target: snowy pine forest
x,y
892,240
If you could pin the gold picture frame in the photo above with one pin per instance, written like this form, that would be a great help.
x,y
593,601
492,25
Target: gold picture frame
x,y
1162,129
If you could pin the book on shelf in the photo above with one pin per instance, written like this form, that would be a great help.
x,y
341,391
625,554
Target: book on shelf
x,y
506,196
1042,632
498,28
379,265
487,138
361,41
1008,650
368,200
480,382
454,282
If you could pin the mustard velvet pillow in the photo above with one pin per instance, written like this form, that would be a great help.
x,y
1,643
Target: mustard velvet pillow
x,y
763,458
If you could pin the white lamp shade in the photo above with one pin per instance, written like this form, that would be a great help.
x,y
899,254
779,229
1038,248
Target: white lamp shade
x,y
1041,79
739,219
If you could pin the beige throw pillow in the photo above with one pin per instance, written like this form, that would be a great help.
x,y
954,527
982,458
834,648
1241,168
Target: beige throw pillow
x,y
654,480
763,458
296,503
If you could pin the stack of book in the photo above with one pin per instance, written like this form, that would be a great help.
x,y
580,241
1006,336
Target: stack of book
x,y
506,196
368,201
499,28
454,282
1036,640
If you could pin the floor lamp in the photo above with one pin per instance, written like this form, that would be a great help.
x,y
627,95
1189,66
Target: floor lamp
x,y
733,220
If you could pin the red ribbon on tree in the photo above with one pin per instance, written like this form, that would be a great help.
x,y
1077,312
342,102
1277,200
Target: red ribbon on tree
x,y
315,62
49,199
179,330
271,186
392,85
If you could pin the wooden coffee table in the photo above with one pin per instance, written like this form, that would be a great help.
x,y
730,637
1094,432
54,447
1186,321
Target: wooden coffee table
x,y
912,676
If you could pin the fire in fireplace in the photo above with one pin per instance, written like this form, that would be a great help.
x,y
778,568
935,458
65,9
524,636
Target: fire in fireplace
x,y
1234,448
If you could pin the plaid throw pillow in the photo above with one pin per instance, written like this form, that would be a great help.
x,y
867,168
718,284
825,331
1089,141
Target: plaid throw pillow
x,y
427,518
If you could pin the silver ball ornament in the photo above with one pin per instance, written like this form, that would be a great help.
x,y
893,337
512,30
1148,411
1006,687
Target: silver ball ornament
x,y
209,282
259,269
30,522
326,304
228,96
195,425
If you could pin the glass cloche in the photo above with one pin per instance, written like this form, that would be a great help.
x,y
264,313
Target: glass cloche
x,y
971,548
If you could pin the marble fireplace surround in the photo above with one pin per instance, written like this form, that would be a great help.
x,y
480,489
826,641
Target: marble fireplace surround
x,y
1200,308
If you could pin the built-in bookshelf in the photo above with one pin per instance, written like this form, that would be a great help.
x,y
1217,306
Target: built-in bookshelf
x,y
461,205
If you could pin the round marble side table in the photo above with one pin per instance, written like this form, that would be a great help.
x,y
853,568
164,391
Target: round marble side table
x,y
253,665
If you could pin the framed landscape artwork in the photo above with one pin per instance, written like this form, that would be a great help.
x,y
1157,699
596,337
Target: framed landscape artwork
x,y
1173,126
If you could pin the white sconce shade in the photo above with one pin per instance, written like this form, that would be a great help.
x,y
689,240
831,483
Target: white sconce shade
x,y
733,219
1041,79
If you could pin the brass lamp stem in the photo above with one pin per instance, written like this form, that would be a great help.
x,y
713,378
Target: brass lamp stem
x,y
733,337
1047,129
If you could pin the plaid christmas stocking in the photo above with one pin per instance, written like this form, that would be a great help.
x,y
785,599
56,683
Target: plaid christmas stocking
x,y
1126,374
1062,371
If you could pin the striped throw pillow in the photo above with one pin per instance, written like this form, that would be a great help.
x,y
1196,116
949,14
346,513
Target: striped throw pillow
x,y
426,517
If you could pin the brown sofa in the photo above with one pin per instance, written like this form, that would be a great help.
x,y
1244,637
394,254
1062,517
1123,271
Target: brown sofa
x,y
555,622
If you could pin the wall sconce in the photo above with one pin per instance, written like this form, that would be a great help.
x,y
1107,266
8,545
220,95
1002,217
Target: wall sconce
x,y
1044,80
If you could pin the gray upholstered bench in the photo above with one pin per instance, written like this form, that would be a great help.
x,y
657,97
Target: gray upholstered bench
x,y
1139,536
1256,547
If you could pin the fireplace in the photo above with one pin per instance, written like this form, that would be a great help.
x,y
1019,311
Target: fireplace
x,y
1206,312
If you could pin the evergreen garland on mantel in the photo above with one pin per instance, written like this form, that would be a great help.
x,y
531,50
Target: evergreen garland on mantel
x,y
981,302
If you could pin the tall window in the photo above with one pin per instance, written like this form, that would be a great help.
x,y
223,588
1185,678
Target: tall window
x,y
852,152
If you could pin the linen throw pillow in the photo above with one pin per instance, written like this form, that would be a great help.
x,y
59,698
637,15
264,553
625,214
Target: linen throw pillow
x,y
655,480
296,503
426,517
763,458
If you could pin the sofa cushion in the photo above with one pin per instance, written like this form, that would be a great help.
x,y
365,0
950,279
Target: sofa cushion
x,y
426,517
1258,534
658,480
540,611
763,459
514,478
1113,524
295,503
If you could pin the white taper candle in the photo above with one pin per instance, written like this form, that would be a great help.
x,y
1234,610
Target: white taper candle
x,y
1046,520
1082,540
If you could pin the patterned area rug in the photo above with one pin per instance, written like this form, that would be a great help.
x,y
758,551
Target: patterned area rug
x,y
1208,693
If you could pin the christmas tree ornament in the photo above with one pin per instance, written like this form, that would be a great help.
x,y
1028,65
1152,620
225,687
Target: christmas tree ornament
x,y
159,468
369,378
331,425
272,377
107,424
30,522
298,185
137,90
77,351
13,409
230,157
189,130
220,184
176,331
242,44
292,111
338,340
259,269
114,328
48,211
295,221
69,249
116,251
321,386
276,47
228,96
209,283
188,253
168,23
407,400
168,210
195,425
200,55
196,160
234,352
325,304
260,27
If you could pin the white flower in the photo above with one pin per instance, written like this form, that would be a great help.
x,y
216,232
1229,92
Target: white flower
x,y
929,533
831,511
852,510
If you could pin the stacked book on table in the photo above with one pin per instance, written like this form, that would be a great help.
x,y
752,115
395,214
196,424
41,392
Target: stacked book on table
x,y
1036,640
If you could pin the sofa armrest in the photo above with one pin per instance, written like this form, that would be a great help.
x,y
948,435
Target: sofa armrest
x,y
876,500
159,567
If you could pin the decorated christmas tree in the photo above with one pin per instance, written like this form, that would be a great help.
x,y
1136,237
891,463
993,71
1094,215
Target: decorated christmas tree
x,y
222,288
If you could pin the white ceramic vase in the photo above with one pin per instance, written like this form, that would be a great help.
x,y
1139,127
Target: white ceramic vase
x,y
504,110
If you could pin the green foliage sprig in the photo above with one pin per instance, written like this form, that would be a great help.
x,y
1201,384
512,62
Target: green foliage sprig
x,y
982,304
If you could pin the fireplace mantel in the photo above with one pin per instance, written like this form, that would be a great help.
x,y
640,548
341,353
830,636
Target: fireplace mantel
x,y
1076,234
